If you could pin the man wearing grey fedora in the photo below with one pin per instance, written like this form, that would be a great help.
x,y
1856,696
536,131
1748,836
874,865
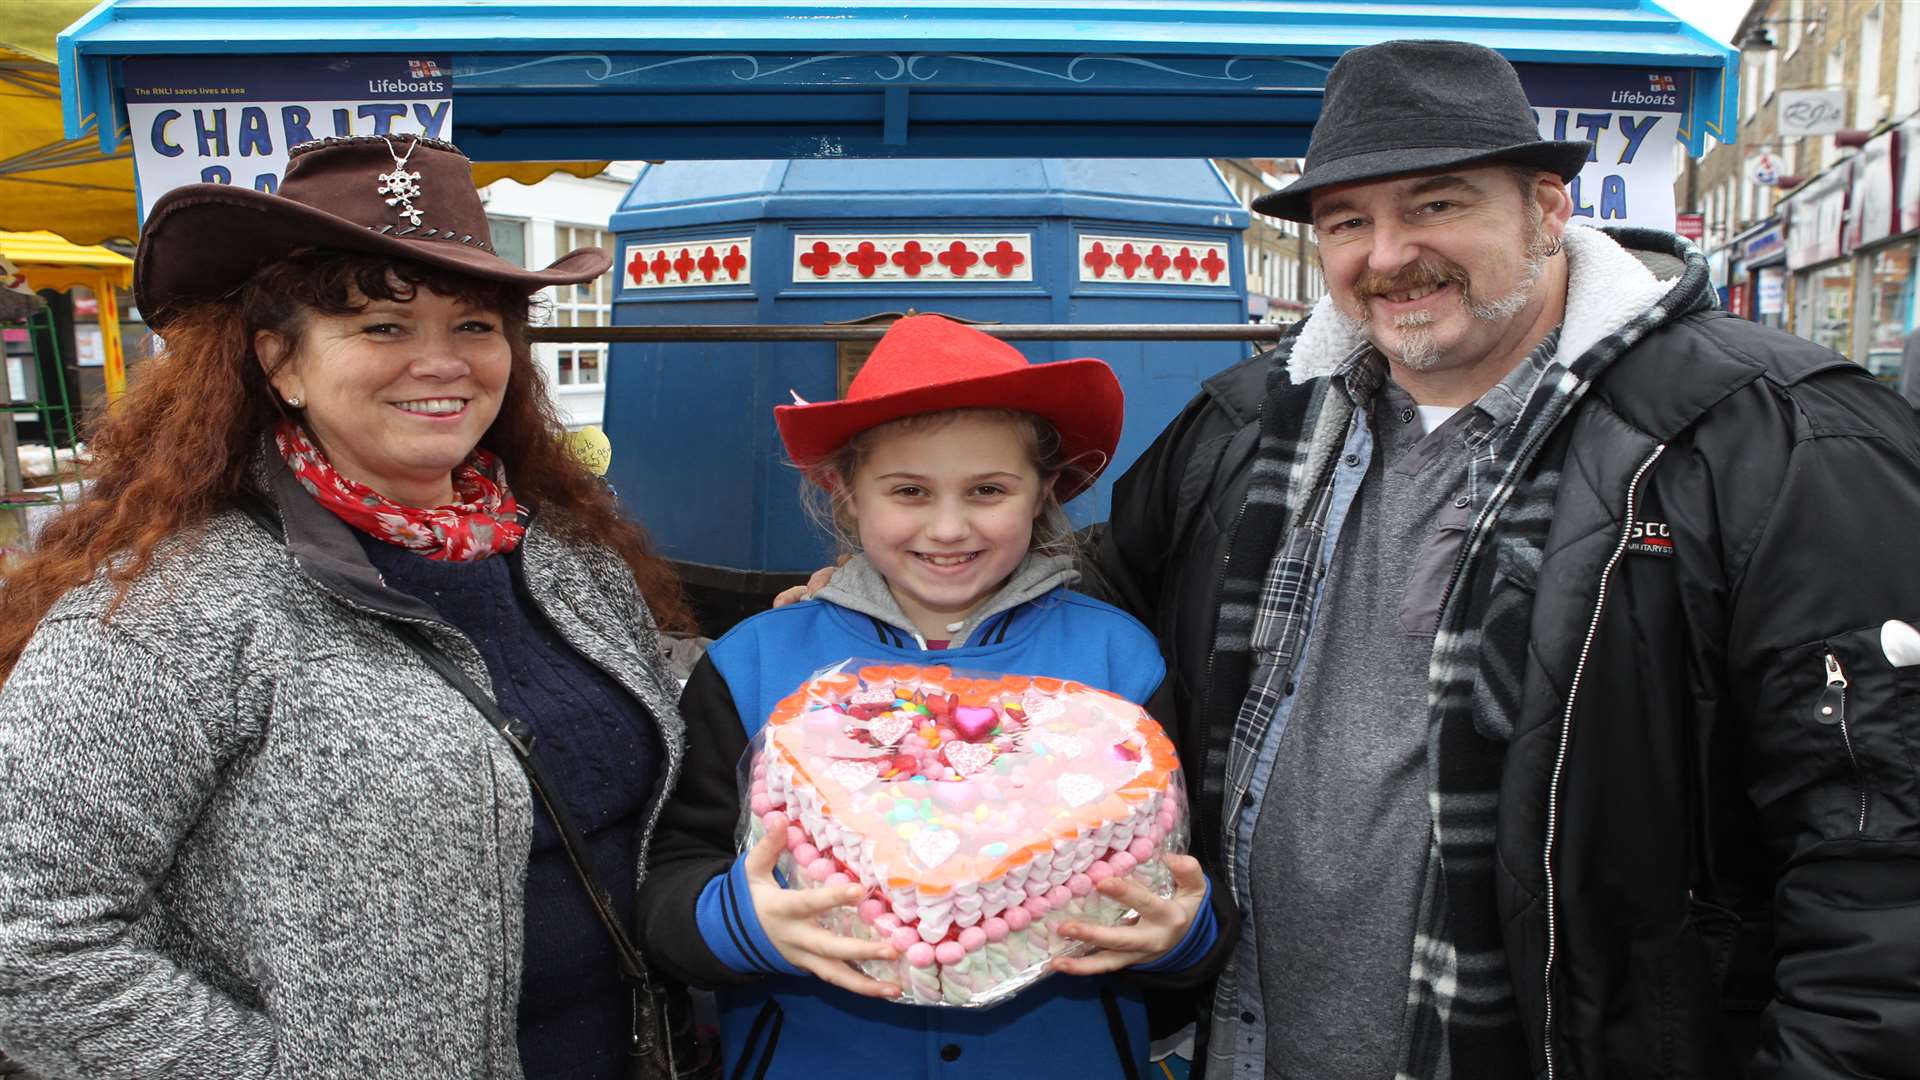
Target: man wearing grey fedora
x,y
1538,637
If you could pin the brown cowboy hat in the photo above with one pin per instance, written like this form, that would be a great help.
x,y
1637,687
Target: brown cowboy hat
x,y
402,195
927,364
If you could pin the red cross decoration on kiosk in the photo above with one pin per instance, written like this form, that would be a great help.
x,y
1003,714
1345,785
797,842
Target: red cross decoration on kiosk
x,y
911,258
1098,259
957,258
920,256
1148,260
866,258
821,260
683,265
1003,258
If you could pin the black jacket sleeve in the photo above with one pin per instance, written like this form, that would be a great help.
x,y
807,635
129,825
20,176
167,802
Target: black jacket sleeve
x,y
1833,770
693,843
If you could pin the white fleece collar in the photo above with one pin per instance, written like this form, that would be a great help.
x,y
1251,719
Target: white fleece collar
x,y
1607,288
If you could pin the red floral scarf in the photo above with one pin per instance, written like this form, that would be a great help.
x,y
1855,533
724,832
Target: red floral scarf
x,y
485,521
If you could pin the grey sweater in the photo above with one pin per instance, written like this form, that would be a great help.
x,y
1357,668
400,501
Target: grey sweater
x,y
246,832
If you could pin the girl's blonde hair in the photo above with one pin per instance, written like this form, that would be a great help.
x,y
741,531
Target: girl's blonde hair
x,y
826,491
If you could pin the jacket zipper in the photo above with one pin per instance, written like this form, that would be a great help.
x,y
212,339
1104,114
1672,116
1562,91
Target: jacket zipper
x,y
1566,732
1833,711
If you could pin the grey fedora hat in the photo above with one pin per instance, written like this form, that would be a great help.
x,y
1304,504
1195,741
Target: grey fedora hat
x,y
1413,106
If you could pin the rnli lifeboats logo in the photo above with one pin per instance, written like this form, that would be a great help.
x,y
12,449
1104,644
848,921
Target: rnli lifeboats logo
x,y
1651,538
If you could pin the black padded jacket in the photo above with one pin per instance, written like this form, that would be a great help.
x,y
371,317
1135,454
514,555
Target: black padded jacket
x,y
1711,744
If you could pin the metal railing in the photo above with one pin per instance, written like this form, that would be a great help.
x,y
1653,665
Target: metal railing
x,y
1261,333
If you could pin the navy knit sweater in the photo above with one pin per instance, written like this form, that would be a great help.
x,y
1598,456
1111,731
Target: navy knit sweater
x,y
602,750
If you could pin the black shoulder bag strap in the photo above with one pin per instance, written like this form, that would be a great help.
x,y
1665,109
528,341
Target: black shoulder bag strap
x,y
650,1041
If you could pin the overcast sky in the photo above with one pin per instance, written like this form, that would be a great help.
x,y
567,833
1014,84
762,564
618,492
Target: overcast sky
x,y
1717,17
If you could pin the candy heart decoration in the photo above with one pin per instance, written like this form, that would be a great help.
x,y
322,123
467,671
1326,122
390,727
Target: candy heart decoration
x,y
1044,709
1066,746
1078,789
968,758
974,722
931,847
889,729
854,775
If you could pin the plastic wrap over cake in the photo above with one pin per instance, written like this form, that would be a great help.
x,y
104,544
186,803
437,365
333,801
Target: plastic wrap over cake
x,y
978,811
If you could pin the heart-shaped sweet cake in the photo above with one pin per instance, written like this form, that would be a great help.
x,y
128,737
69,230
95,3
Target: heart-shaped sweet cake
x,y
978,812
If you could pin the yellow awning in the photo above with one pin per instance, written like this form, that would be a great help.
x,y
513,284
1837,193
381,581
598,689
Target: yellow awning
x,y
67,186
48,261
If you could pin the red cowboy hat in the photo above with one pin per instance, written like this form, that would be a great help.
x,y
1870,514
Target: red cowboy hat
x,y
928,364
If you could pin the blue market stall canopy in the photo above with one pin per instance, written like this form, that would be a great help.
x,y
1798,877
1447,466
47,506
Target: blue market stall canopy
x,y
564,79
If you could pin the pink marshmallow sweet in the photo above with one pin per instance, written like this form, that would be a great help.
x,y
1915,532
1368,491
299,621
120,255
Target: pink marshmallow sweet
x,y
836,878
972,938
905,939
820,869
949,952
1099,871
1059,896
761,803
805,854
871,909
1079,884
1141,849
1124,862
795,837
775,821
996,928
1038,906
887,922
920,954
1017,918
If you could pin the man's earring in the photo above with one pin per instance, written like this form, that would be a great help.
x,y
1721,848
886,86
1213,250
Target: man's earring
x,y
1555,246
294,403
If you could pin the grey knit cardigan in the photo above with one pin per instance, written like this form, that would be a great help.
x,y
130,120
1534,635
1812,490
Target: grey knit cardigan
x,y
246,832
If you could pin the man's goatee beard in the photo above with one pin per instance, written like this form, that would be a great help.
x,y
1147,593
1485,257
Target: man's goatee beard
x,y
1418,350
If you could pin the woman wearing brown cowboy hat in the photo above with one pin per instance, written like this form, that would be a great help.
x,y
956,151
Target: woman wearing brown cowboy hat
x,y
287,694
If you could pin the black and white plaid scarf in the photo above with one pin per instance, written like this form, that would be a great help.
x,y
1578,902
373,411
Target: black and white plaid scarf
x,y
1463,1021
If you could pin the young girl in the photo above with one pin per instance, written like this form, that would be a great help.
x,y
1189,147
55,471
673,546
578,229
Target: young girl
x,y
946,466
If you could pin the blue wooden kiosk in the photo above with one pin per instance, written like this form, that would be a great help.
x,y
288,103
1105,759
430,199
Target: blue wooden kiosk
x,y
1046,241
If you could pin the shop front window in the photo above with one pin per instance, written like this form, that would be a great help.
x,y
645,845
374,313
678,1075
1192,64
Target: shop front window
x,y
588,303
1831,309
1887,318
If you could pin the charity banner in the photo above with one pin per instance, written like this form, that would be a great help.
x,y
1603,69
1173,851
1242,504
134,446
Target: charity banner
x,y
1632,116
231,120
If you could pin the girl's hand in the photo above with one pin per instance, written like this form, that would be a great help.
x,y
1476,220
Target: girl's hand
x,y
789,917
1163,923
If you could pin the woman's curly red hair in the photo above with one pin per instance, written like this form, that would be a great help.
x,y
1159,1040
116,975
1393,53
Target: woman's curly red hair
x,y
177,449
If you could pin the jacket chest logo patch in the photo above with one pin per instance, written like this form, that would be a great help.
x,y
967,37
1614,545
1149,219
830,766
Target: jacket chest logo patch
x,y
1650,538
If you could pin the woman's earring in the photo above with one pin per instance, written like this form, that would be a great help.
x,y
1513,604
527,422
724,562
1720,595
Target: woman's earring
x,y
294,403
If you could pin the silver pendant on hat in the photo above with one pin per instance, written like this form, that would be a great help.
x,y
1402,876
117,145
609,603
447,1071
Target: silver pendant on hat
x,y
400,186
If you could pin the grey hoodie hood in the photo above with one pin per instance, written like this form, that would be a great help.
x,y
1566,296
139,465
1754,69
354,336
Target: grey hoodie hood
x,y
858,586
